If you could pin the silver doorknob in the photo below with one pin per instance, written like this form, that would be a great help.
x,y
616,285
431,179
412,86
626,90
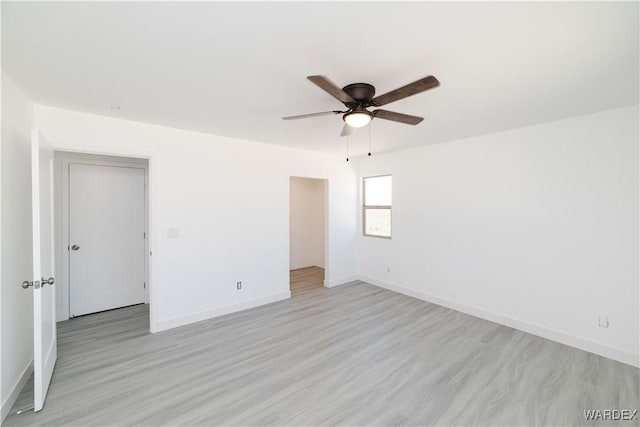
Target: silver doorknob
x,y
48,281
75,247
26,284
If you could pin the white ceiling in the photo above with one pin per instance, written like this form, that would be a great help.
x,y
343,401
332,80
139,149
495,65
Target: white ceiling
x,y
236,68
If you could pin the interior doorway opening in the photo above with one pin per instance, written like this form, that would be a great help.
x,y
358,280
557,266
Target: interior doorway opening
x,y
307,234
102,220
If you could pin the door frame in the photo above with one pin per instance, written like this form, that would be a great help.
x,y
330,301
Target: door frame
x,y
63,160
325,189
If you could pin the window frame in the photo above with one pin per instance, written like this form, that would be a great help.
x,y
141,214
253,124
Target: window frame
x,y
365,207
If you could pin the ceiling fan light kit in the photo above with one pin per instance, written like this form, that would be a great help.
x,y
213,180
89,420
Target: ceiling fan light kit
x,y
358,118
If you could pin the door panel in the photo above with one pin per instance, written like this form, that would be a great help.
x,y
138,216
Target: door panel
x,y
44,312
106,237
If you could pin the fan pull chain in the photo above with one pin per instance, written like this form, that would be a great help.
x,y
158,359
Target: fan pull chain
x,y
347,148
369,140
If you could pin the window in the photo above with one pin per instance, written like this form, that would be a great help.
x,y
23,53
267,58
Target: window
x,y
376,206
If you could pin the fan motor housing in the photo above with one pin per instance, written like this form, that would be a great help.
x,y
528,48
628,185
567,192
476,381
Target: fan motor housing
x,y
361,92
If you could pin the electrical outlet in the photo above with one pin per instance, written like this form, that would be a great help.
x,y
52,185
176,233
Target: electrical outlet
x,y
603,321
238,285
388,269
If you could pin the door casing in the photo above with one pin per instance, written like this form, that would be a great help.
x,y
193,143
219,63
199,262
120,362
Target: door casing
x,y
62,161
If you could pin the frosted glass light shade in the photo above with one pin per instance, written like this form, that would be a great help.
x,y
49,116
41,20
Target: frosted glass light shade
x,y
357,119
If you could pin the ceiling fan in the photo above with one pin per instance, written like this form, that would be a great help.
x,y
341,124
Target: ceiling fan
x,y
357,97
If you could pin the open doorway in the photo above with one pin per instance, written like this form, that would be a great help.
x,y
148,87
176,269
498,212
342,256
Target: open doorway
x,y
102,211
307,234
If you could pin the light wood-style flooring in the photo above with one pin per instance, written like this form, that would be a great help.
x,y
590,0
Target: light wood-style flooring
x,y
305,280
350,355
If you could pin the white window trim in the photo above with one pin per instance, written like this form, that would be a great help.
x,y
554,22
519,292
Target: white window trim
x,y
365,207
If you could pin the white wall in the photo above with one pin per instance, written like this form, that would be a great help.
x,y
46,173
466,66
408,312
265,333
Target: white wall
x,y
536,228
229,200
17,305
306,223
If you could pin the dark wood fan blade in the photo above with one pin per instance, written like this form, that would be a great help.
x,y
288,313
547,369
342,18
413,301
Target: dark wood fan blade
x,y
406,91
330,87
397,117
347,130
304,116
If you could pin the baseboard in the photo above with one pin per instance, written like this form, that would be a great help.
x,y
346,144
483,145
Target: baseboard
x,y
11,398
541,331
174,322
340,281
304,268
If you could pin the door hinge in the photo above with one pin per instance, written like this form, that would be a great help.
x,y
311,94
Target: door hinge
x,y
144,235
145,285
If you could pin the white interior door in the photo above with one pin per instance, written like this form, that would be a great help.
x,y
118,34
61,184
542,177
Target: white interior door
x,y
44,312
106,237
